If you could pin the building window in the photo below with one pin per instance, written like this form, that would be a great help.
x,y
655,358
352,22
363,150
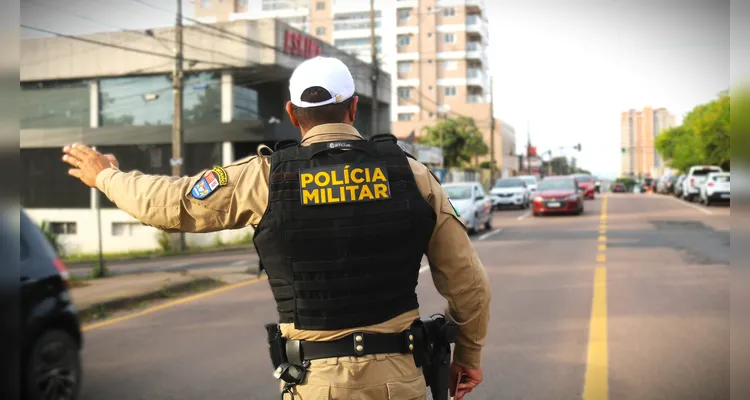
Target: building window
x,y
450,65
404,117
55,105
241,3
321,5
449,38
404,40
404,14
404,93
63,228
429,34
125,228
432,115
404,67
320,31
449,91
449,12
205,3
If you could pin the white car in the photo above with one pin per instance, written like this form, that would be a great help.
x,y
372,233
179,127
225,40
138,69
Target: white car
x,y
473,206
531,182
510,192
715,188
691,186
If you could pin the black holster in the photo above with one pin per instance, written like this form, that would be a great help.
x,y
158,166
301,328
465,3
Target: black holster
x,y
291,373
433,337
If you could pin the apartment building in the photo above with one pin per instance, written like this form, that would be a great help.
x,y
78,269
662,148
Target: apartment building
x,y
435,50
638,130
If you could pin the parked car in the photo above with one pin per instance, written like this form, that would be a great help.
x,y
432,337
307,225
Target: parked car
x,y
558,194
677,188
51,338
586,182
715,188
531,182
695,177
474,208
510,192
619,188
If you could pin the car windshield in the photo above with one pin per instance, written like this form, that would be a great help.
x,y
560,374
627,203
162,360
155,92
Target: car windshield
x,y
721,178
557,184
508,183
704,171
458,192
529,181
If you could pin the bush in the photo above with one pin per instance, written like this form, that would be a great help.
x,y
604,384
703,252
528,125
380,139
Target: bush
x,y
164,240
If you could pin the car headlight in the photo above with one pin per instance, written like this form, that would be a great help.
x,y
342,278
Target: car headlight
x,y
538,199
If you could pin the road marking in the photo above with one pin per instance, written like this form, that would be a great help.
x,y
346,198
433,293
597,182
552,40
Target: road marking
x,y
240,262
424,268
603,247
601,257
595,386
602,238
701,209
170,304
488,234
526,214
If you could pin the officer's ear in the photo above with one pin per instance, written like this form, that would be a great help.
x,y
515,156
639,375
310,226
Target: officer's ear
x,y
290,111
353,108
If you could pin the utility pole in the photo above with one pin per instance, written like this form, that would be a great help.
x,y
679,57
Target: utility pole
x,y
492,137
375,71
177,137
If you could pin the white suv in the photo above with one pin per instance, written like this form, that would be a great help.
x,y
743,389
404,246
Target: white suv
x,y
716,188
691,186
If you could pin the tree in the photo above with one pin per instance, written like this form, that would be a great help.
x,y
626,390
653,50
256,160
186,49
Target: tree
x,y
703,137
459,138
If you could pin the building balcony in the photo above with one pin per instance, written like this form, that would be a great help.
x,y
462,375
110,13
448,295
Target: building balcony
x,y
474,5
476,51
475,77
477,26
475,98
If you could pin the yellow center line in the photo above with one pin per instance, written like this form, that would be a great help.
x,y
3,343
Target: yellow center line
x,y
183,300
596,382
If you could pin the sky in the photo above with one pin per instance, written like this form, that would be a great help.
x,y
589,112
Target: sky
x,y
563,70
568,69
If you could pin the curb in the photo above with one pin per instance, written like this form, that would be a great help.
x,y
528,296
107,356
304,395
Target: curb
x,y
158,256
89,312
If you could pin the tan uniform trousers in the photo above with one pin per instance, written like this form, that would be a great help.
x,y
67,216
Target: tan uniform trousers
x,y
371,377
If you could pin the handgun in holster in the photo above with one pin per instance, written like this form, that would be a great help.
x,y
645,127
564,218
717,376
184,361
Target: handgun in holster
x,y
433,337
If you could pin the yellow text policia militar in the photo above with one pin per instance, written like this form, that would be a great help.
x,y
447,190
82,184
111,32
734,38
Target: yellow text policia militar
x,y
344,184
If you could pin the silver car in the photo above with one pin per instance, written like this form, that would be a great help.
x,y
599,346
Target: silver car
x,y
473,206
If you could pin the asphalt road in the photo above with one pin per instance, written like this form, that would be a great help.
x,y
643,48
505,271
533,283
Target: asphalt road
x,y
659,327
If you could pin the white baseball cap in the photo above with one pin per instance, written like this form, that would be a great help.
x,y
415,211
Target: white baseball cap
x,y
327,72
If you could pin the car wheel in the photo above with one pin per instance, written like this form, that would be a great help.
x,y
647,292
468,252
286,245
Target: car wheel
x,y
474,222
53,369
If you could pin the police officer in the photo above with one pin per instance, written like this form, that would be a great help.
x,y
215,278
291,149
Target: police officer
x,y
342,225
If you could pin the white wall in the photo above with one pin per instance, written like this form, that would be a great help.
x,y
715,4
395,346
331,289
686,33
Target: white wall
x,y
138,237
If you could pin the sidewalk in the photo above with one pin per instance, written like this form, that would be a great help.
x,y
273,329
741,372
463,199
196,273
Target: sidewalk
x,y
119,290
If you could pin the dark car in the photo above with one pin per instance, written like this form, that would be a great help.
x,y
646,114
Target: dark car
x,y
51,339
558,194
619,188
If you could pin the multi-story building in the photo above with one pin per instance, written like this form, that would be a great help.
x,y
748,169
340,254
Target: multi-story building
x,y
436,50
638,130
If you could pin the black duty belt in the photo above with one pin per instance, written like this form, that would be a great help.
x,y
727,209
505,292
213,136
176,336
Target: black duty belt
x,y
357,344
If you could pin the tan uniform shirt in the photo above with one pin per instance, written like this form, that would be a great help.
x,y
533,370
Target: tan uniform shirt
x,y
167,203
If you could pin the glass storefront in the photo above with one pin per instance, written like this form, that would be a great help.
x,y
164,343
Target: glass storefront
x,y
55,105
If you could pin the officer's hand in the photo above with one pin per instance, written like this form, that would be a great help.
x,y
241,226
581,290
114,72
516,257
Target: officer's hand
x,y
87,162
472,378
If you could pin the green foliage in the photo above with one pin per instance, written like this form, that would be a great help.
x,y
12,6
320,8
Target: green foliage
x,y
52,237
165,241
460,140
485,165
703,137
99,271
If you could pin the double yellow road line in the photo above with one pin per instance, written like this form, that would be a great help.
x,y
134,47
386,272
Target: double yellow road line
x,y
596,384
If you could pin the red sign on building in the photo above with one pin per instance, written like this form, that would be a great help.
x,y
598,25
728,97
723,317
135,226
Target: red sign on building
x,y
531,151
301,45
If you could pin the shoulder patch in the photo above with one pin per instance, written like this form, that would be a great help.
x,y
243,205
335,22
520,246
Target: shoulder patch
x,y
344,183
210,182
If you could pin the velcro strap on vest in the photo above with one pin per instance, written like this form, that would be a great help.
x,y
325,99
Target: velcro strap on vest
x,y
322,213
365,299
358,283
374,149
342,264
284,177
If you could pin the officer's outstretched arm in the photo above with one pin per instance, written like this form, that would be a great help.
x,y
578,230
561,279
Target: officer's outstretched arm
x,y
231,197
457,272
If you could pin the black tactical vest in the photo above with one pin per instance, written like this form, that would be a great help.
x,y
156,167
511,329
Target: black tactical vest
x,y
338,255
